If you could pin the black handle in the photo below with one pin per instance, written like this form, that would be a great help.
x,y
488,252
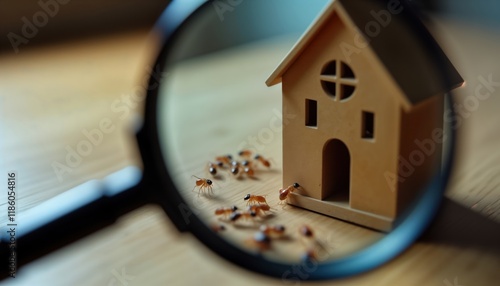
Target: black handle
x,y
70,216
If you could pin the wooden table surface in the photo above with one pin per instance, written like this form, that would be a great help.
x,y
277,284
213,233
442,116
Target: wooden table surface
x,y
50,96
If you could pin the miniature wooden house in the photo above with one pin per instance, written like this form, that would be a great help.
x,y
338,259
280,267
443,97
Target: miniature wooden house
x,y
365,83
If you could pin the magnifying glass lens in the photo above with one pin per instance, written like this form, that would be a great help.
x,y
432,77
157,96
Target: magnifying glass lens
x,y
242,166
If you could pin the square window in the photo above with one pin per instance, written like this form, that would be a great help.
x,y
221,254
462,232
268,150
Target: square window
x,y
368,125
311,113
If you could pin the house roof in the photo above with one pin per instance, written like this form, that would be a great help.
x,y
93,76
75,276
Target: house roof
x,y
404,46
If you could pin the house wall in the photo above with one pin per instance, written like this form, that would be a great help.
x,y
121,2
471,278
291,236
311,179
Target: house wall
x,y
421,148
375,92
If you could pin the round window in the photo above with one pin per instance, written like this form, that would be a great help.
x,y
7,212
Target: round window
x,y
338,80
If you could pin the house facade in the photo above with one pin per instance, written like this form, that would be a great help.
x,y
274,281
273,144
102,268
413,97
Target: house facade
x,y
355,133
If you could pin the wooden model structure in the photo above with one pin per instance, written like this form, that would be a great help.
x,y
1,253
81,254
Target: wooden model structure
x,y
365,83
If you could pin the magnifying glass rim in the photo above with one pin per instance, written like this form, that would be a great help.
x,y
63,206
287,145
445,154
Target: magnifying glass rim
x,y
409,226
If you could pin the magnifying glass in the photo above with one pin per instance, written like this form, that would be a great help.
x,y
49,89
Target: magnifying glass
x,y
334,172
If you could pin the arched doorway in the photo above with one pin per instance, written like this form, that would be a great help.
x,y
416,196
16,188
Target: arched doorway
x,y
336,171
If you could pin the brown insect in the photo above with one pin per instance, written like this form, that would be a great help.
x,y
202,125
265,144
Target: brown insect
x,y
212,168
203,184
311,242
273,231
249,171
235,216
259,209
245,153
286,191
227,159
218,227
252,199
247,163
306,231
226,212
238,169
263,161
309,255
261,241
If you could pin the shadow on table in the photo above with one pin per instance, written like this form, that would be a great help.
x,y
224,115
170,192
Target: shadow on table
x,y
457,225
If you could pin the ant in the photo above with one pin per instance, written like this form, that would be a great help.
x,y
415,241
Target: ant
x,y
203,184
263,161
242,215
226,211
218,227
309,255
306,231
245,153
249,171
313,242
286,191
236,168
275,230
237,171
248,168
245,167
260,240
252,199
246,163
212,167
227,159
259,209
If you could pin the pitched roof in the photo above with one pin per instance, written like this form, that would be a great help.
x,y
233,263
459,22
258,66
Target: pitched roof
x,y
406,48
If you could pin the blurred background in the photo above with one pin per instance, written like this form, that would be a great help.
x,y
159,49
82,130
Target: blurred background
x,y
77,19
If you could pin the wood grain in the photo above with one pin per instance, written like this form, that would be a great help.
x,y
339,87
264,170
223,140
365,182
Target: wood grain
x,y
48,96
